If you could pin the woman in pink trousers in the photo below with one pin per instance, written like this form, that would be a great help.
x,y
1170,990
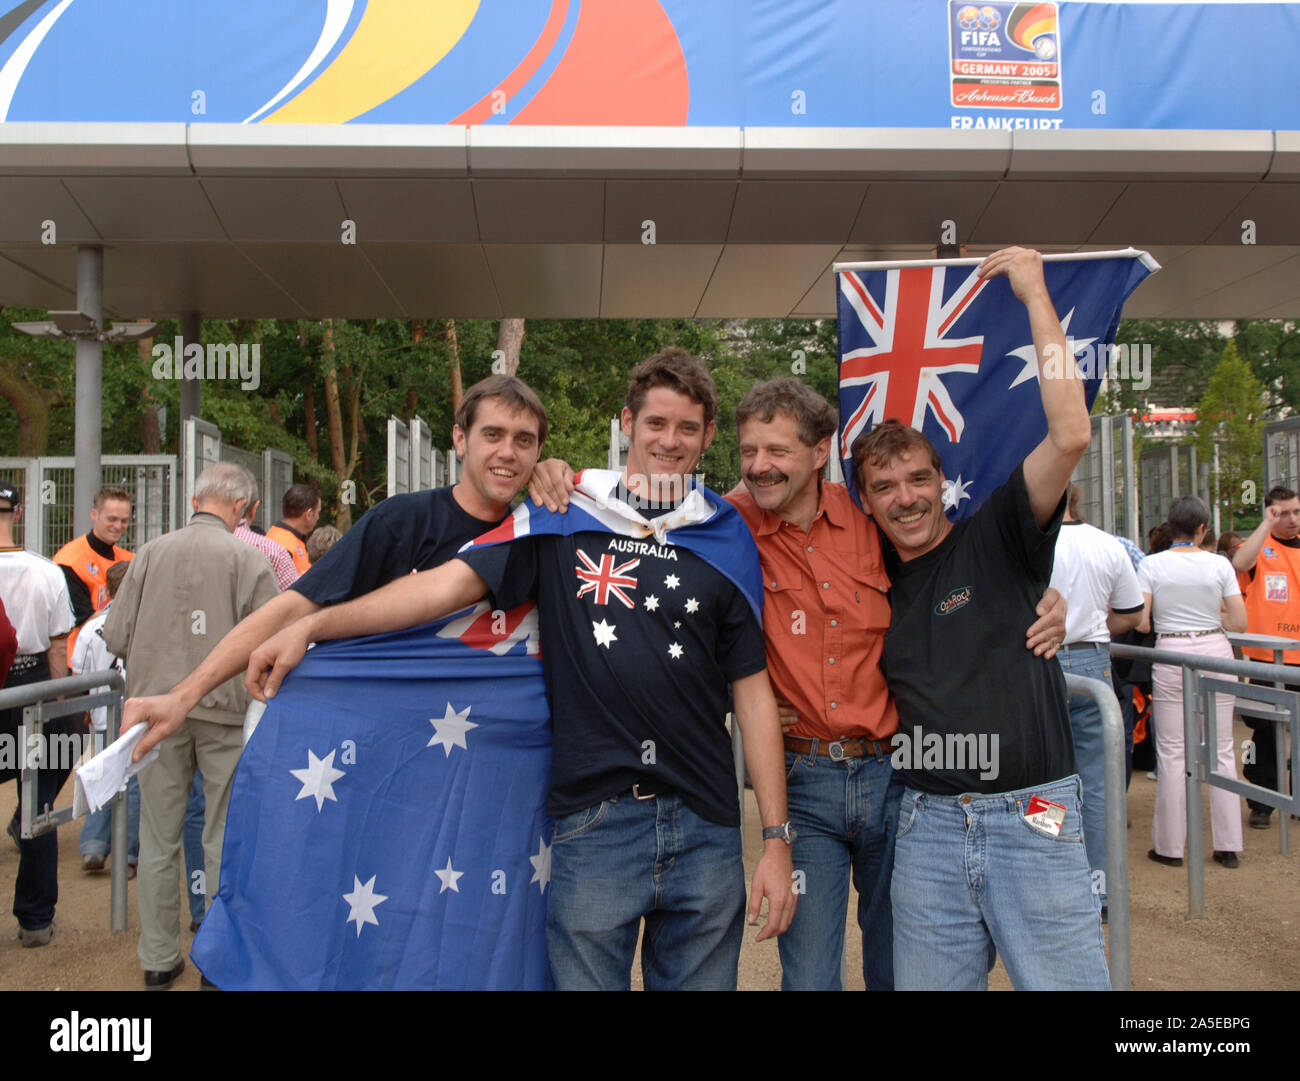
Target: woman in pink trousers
x,y
1193,597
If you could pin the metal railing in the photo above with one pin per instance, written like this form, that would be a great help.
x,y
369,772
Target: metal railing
x,y
40,702
1199,741
1119,952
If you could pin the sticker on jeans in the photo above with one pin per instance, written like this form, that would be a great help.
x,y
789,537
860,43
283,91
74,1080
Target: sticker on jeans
x,y
1275,588
1045,816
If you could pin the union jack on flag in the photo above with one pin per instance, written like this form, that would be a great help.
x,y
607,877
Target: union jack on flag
x,y
933,345
606,580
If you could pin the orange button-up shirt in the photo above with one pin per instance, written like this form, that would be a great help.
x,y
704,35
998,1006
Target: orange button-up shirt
x,y
825,614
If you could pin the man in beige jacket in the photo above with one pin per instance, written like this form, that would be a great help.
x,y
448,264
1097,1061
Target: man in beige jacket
x,y
184,591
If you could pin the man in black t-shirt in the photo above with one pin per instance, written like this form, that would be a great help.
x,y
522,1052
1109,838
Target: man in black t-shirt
x,y
989,856
644,624
500,427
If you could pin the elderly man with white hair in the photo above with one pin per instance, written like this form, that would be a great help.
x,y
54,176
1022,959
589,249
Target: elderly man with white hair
x,y
184,591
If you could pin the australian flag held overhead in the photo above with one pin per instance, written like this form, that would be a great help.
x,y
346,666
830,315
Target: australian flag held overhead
x,y
933,345
387,824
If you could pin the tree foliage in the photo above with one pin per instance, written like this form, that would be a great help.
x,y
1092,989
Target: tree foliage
x,y
1231,418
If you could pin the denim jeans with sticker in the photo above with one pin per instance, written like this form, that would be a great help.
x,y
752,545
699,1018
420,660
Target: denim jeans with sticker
x,y
1089,755
973,879
844,815
624,859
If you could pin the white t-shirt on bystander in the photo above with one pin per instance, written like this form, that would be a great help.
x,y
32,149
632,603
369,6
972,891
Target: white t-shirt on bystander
x,y
1187,587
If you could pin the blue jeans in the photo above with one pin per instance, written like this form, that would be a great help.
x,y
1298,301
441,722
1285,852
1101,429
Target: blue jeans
x,y
97,831
626,858
1090,755
844,815
193,846
973,879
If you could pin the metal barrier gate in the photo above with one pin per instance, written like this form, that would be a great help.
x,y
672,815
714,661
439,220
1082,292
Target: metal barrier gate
x,y
38,705
1199,741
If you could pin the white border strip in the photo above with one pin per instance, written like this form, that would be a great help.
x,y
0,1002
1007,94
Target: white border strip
x,y
1126,253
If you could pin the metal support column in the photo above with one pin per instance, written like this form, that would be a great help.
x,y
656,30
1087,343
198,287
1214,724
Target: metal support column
x,y
88,411
191,389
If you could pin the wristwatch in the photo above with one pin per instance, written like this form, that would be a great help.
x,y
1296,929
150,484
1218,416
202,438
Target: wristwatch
x,y
783,832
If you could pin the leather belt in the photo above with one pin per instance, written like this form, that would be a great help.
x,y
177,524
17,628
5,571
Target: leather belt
x,y
840,749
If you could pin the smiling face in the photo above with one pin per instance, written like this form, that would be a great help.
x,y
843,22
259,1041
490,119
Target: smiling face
x,y
499,453
780,469
905,497
110,519
665,442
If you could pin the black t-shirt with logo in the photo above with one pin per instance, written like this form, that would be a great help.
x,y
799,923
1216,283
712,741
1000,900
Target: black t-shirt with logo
x,y
640,642
404,533
955,653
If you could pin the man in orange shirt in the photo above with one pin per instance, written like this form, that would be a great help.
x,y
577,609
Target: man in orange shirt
x,y
301,512
85,560
825,614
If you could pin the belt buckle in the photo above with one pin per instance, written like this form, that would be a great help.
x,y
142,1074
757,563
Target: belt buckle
x,y
835,751
637,795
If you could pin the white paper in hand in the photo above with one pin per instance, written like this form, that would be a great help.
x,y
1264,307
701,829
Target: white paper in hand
x,y
105,775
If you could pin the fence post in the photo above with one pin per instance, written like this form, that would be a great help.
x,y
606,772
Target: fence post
x,y
1193,759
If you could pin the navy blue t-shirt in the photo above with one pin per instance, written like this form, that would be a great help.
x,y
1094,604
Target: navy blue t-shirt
x,y
404,533
956,661
640,643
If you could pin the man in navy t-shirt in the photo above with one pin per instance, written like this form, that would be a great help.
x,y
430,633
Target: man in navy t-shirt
x,y
500,427
644,627
989,855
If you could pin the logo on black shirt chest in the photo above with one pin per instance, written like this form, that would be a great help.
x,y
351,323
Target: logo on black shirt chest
x,y
958,598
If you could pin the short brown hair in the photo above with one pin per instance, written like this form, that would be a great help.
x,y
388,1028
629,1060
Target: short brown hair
x,y
114,575
1072,504
889,440
322,539
813,415
108,492
515,395
1278,494
298,500
677,370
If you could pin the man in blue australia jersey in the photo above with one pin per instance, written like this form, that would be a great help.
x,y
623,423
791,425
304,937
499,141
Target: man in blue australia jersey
x,y
648,617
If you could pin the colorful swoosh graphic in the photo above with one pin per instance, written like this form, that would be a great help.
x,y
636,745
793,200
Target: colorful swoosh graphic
x,y
396,42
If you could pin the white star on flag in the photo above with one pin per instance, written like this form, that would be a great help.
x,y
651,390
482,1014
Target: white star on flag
x,y
954,491
362,901
677,624
541,866
1028,355
675,651
652,603
318,779
671,581
604,633
449,730
692,606
449,878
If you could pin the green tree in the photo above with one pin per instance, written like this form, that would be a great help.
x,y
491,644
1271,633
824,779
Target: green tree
x,y
1231,419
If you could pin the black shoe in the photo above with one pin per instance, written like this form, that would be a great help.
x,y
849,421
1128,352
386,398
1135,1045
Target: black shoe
x,y
1104,915
1228,859
14,833
1259,820
194,926
1168,861
160,981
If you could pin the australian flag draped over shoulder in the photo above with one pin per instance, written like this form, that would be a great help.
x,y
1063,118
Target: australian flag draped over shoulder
x,y
704,523
387,826
935,346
